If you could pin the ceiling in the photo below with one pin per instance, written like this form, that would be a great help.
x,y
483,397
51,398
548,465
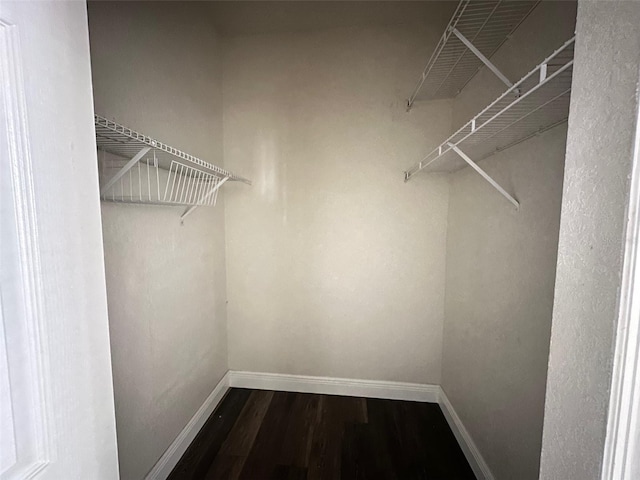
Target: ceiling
x,y
239,17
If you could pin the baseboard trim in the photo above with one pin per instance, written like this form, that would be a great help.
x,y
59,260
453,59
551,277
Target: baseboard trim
x,y
335,386
469,448
172,455
322,385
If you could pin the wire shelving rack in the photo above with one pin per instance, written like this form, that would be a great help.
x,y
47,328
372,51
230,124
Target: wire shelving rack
x,y
475,32
538,102
135,168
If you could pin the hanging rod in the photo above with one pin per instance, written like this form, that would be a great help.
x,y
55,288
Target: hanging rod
x,y
135,168
475,32
542,103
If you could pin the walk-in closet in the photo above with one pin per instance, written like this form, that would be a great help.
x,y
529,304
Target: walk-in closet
x,y
399,222
322,240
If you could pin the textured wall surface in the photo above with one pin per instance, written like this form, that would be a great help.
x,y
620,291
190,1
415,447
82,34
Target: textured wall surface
x,y
599,152
501,268
335,266
157,69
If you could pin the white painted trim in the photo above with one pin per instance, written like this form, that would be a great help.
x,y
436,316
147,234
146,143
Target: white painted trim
x,y
621,456
172,455
417,392
469,448
29,384
335,386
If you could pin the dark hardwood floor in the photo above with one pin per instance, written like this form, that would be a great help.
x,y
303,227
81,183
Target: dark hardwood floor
x,y
267,435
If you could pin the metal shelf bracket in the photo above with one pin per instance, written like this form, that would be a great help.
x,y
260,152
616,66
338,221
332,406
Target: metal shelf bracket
x,y
123,171
212,192
485,175
481,57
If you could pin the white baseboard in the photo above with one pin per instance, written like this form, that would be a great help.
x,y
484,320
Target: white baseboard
x,y
335,386
172,455
469,448
322,385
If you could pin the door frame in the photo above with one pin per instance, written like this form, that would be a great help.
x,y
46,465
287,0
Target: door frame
x,y
622,448
25,339
57,418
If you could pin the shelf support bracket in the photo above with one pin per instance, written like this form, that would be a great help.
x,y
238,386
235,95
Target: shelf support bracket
x,y
128,166
482,58
485,175
204,198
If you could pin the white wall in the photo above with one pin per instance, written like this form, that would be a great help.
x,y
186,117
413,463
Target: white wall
x,y
501,268
598,164
500,279
335,266
157,69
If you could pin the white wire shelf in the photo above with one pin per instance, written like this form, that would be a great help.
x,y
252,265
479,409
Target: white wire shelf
x,y
475,32
135,168
538,102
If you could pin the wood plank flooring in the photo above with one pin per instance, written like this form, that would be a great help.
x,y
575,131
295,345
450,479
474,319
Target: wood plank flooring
x,y
258,435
